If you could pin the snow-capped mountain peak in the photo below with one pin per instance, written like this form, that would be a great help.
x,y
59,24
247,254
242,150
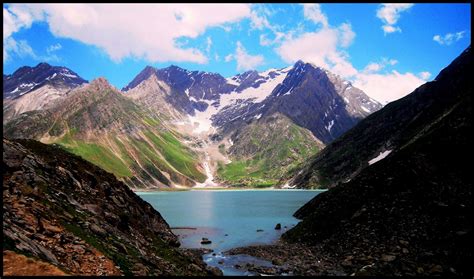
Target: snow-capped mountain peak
x,y
27,79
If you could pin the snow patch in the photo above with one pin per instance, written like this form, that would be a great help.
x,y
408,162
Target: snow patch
x,y
268,72
329,126
258,116
210,177
257,94
232,82
51,77
287,186
15,90
69,75
23,85
365,109
345,99
380,157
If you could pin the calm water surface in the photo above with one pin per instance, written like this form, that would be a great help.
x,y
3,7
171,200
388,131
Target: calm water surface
x,y
229,218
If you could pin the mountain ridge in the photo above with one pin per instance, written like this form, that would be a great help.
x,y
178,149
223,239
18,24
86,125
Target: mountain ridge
x,y
209,111
391,128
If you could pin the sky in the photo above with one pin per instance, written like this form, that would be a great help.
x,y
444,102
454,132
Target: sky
x,y
387,50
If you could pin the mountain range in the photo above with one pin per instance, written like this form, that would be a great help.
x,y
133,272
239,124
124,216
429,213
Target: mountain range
x,y
173,127
400,193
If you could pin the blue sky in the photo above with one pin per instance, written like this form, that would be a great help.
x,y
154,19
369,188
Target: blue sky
x,y
387,50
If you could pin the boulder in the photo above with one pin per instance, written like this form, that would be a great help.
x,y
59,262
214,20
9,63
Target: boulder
x,y
205,241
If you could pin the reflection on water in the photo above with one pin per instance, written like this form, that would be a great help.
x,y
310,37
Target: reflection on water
x,y
228,218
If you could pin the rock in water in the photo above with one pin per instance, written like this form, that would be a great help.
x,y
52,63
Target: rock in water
x,y
278,226
205,241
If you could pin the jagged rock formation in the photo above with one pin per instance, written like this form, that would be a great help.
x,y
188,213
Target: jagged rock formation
x,y
63,210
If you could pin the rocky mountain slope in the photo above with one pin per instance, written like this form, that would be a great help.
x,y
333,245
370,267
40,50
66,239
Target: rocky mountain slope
x,y
172,126
383,132
65,211
105,127
35,88
228,111
419,197
311,99
409,214
266,149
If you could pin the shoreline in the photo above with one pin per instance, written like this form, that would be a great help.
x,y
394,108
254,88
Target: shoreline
x,y
138,190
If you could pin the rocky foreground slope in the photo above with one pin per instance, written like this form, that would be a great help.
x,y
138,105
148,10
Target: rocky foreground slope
x,y
408,214
65,211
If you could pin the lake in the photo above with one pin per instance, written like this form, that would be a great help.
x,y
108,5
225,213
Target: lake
x,y
229,218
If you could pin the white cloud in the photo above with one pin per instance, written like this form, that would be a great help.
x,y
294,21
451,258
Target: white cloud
x,y
22,49
264,41
258,22
373,67
321,48
135,30
389,14
208,45
279,37
53,48
387,87
449,38
424,75
15,19
390,29
246,61
346,34
325,48
229,58
313,12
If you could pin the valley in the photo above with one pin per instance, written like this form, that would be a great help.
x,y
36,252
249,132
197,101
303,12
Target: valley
x,y
237,139
229,141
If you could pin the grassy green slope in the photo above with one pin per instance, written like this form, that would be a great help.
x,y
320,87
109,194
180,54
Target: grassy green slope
x,y
111,131
265,150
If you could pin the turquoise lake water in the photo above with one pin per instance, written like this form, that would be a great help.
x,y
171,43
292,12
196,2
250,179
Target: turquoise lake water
x,y
229,218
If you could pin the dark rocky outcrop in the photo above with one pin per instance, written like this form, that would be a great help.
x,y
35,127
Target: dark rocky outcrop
x,y
409,214
66,211
391,128
412,211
